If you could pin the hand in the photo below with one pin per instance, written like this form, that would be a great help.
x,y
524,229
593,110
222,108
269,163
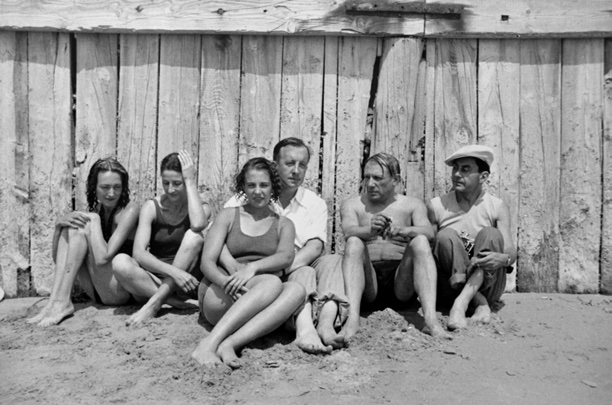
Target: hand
x,y
395,232
236,281
489,261
379,223
239,294
185,281
75,219
187,166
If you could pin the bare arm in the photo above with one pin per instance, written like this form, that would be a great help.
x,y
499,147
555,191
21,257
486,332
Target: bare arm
x,y
496,260
74,219
420,225
306,255
350,222
104,252
198,212
215,243
432,218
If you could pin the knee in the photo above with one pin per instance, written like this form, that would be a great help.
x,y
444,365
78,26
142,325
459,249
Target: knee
x,y
303,273
121,264
295,290
446,236
354,246
420,244
490,233
271,283
193,240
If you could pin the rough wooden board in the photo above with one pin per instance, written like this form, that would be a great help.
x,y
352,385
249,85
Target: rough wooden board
x,y
329,132
302,97
355,70
260,96
203,16
50,132
14,161
527,18
219,117
581,175
430,90
136,131
179,96
499,123
96,106
606,226
396,99
455,104
540,144
415,167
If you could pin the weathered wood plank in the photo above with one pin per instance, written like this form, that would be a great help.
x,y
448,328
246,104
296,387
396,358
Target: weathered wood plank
x,y
302,97
499,123
430,134
50,132
179,96
14,161
606,226
355,70
329,132
260,96
581,136
455,104
136,130
202,16
219,117
540,163
96,105
529,18
396,99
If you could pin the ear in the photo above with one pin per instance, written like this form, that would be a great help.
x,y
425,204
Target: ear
x,y
483,177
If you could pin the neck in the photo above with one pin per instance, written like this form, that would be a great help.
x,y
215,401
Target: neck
x,y
287,195
468,197
257,213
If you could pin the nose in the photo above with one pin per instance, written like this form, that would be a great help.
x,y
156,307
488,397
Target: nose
x,y
111,193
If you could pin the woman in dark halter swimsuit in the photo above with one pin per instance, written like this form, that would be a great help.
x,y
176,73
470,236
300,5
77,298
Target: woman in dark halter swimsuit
x,y
84,243
168,242
252,301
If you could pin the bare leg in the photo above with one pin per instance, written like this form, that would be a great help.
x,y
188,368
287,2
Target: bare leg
x,y
456,319
356,279
185,259
291,297
417,273
263,290
307,337
71,251
325,327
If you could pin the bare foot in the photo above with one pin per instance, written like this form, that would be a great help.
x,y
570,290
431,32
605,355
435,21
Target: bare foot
x,y
39,317
145,313
482,314
228,356
205,356
436,330
329,337
311,343
55,313
182,304
456,319
350,329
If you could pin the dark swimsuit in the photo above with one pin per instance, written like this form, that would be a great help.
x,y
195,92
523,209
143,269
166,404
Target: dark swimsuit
x,y
245,248
166,238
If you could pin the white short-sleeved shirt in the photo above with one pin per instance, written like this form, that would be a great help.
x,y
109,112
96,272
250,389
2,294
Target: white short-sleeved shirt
x,y
306,210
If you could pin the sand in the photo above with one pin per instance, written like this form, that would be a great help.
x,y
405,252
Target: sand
x,y
538,349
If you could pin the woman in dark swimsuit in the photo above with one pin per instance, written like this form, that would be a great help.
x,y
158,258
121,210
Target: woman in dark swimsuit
x,y
252,301
168,242
85,243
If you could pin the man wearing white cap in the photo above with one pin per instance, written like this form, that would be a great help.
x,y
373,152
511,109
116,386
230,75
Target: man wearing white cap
x,y
473,246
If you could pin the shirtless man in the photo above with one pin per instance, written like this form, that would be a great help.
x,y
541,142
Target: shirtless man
x,y
387,249
473,248
325,306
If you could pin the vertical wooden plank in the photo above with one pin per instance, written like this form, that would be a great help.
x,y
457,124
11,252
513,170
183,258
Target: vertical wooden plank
x,y
415,167
50,132
329,131
179,96
260,96
581,136
136,131
302,97
96,105
14,161
498,122
606,226
430,108
540,145
219,117
355,70
396,99
455,103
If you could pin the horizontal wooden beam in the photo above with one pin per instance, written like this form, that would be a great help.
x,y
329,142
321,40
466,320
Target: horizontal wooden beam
x,y
423,18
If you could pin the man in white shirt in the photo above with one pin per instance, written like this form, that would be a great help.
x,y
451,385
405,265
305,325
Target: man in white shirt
x,y
326,305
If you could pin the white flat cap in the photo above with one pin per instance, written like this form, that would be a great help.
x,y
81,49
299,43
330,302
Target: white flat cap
x,y
481,152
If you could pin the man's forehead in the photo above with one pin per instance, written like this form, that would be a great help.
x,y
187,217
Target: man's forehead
x,y
375,168
294,152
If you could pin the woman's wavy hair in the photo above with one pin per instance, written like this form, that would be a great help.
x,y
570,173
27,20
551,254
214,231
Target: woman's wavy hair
x,y
108,164
263,164
171,162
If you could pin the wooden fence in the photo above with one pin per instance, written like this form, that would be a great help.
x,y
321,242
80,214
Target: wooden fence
x,y
543,105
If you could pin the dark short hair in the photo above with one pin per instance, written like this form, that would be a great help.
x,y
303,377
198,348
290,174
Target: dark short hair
x,y
264,165
386,160
171,162
108,164
291,141
482,165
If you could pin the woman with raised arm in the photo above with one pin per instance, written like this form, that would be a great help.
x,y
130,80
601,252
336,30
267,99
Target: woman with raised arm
x,y
85,243
168,242
252,301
